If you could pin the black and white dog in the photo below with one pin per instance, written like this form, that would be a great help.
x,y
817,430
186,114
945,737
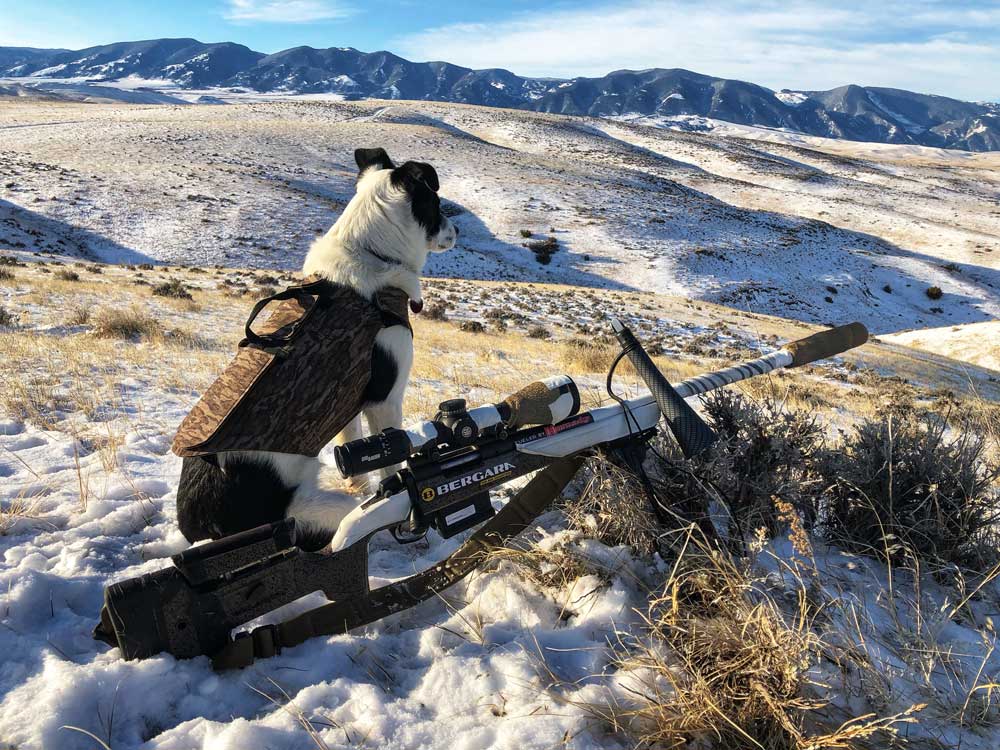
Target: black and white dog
x,y
381,240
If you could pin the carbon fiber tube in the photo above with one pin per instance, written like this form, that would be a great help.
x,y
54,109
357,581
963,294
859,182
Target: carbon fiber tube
x,y
690,430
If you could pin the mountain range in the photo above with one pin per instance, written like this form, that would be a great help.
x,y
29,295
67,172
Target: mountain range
x,y
860,113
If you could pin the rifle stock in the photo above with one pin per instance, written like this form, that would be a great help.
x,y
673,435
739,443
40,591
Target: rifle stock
x,y
192,608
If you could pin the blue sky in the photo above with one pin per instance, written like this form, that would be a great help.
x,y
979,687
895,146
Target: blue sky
x,y
936,46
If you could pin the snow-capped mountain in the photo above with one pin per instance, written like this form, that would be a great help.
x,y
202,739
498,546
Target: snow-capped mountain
x,y
850,112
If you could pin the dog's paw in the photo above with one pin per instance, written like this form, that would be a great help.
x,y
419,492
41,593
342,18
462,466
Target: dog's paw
x,y
357,485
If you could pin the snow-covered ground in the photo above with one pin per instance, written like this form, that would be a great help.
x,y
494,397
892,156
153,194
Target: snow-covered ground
x,y
87,489
978,343
786,229
87,482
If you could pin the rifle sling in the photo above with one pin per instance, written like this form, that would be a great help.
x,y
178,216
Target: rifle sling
x,y
342,616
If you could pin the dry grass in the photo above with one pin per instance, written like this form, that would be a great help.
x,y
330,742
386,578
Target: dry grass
x,y
612,507
722,664
13,511
721,660
128,323
79,315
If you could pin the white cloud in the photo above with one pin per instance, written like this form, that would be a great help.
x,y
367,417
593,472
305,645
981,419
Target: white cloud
x,y
284,11
922,45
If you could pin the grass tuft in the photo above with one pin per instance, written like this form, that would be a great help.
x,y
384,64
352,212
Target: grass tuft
x,y
64,274
128,323
174,288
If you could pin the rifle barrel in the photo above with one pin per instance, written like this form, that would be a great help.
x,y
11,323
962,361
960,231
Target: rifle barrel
x,y
710,381
793,354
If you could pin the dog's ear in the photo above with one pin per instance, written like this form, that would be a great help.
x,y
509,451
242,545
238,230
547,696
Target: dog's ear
x,y
414,174
372,157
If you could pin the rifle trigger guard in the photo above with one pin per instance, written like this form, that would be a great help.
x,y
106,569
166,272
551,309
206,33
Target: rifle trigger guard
x,y
404,538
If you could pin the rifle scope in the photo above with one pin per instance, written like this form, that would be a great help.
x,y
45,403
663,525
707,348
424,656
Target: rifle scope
x,y
541,403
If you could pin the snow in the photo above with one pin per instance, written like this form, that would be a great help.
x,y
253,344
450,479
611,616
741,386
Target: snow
x,y
911,127
730,215
791,98
52,70
977,343
975,129
716,217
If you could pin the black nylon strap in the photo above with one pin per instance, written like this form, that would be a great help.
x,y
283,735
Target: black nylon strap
x,y
342,616
318,288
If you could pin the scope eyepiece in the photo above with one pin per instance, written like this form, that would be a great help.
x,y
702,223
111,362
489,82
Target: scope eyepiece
x,y
389,447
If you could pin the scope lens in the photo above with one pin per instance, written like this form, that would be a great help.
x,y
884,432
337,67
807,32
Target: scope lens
x,y
389,447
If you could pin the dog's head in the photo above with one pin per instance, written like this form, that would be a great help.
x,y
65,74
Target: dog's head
x,y
408,198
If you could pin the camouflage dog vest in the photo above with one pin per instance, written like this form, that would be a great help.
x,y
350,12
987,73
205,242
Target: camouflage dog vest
x,y
300,379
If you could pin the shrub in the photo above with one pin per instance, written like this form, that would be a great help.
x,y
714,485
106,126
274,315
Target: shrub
x,y
543,249
588,355
525,233
548,245
174,288
472,326
130,323
538,332
6,275
766,456
435,311
934,292
902,487
78,316
64,274
6,319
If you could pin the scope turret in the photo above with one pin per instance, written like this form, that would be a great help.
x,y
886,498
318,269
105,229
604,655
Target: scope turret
x,y
543,402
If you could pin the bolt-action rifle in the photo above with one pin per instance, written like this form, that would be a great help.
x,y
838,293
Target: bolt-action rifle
x,y
449,466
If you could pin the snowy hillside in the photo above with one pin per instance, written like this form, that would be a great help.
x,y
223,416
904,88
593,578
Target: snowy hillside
x,y
825,231
98,372
135,237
